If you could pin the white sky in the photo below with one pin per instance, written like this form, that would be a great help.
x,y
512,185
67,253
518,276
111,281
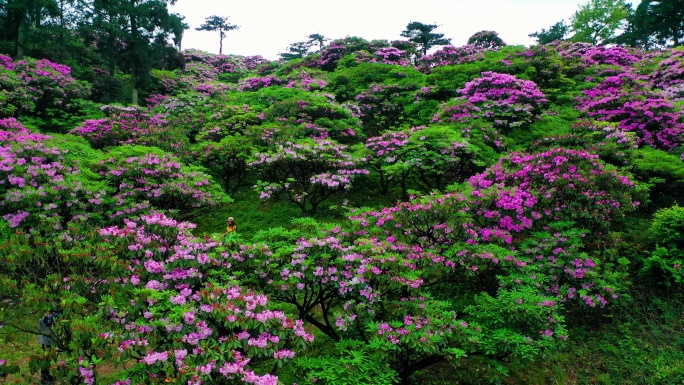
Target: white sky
x,y
268,27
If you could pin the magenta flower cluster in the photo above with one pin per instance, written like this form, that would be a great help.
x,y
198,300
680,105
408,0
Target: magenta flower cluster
x,y
124,125
256,83
208,66
37,184
200,328
307,172
391,55
670,70
450,55
530,191
634,107
160,180
501,99
34,87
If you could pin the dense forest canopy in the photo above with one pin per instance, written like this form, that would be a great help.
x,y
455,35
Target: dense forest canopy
x,y
407,211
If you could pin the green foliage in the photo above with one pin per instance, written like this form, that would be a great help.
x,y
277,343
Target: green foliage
x,y
656,22
353,362
667,232
557,31
349,82
423,35
78,151
667,228
652,163
598,21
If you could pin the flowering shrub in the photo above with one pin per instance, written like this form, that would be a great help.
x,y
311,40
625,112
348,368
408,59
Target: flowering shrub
x,y
373,286
306,82
391,55
255,83
331,55
152,296
306,172
38,88
37,184
205,67
669,72
610,143
486,39
525,192
229,121
624,100
450,55
381,152
432,157
124,125
158,179
253,62
226,160
383,106
540,64
618,56
314,116
501,99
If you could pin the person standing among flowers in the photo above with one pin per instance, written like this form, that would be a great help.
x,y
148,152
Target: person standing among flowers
x,y
45,340
231,231
231,226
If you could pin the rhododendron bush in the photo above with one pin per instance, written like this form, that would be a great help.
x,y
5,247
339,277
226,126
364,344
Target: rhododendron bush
x,y
306,172
226,160
432,157
370,284
39,88
37,184
450,55
625,100
169,309
140,174
503,100
530,191
382,107
123,125
202,67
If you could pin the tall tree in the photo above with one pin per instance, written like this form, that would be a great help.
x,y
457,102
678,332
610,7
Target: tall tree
x,y
599,21
132,34
218,23
22,16
178,27
659,20
486,39
296,50
319,39
422,35
557,31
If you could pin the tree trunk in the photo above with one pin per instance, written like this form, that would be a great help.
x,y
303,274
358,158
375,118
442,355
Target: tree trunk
x,y
21,34
134,90
220,42
134,56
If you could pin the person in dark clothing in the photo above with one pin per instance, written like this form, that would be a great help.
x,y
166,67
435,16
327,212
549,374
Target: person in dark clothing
x,y
45,340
